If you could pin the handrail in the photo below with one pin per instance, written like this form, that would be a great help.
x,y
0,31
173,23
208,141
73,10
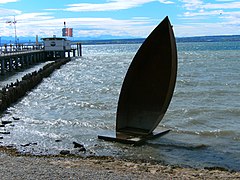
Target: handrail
x,y
12,53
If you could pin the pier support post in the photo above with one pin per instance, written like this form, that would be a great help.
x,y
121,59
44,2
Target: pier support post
x,y
30,59
27,60
69,54
22,62
62,54
40,57
74,52
10,64
16,63
34,58
2,66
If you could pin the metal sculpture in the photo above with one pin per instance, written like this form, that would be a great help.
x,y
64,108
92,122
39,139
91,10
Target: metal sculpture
x,y
147,88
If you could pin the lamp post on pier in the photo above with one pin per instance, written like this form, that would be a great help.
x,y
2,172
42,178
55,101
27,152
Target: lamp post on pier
x,y
15,28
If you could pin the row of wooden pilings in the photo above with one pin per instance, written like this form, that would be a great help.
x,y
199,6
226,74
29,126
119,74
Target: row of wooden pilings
x,y
12,92
17,60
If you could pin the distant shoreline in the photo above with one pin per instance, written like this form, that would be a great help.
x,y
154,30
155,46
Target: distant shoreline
x,y
223,38
217,38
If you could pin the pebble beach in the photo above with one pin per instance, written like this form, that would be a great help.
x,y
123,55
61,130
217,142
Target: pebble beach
x,y
16,166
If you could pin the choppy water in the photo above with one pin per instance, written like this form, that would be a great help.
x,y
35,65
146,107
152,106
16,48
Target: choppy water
x,y
79,101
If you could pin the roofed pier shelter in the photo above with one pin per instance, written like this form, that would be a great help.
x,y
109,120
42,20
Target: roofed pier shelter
x,y
56,47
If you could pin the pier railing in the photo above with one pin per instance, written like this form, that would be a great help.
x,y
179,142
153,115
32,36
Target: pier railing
x,y
8,50
12,53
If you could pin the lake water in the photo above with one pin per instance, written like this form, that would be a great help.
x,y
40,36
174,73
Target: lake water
x,y
79,102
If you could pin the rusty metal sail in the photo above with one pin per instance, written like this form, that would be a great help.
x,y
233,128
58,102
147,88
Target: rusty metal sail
x,y
148,85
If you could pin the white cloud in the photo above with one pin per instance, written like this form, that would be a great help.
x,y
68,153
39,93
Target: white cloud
x,y
192,4
107,26
203,29
203,13
110,5
28,17
7,12
224,0
46,24
221,17
223,11
43,24
7,1
229,5
166,2
199,4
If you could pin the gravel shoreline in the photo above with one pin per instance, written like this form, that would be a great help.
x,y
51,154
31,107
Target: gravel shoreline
x,y
16,166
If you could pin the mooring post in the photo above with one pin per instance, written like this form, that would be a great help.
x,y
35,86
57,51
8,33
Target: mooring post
x,y
77,49
80,49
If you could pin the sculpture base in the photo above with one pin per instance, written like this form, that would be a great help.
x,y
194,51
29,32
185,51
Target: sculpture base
x,y
131,138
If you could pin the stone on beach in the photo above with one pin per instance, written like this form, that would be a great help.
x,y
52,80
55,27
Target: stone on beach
x,y
77,145
64,152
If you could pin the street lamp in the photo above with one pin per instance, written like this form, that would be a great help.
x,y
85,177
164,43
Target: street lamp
x,y
15,28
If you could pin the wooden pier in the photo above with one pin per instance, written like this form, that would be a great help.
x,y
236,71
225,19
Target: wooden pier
x,y
14,59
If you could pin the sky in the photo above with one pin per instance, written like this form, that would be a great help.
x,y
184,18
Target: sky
x,y
98,19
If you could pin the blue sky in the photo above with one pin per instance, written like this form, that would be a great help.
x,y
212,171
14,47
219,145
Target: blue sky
x,y
119,18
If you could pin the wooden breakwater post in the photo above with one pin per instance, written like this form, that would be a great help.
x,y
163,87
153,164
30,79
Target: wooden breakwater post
x,y
13,92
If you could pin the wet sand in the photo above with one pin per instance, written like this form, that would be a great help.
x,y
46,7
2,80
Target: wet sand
x,y
17,166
